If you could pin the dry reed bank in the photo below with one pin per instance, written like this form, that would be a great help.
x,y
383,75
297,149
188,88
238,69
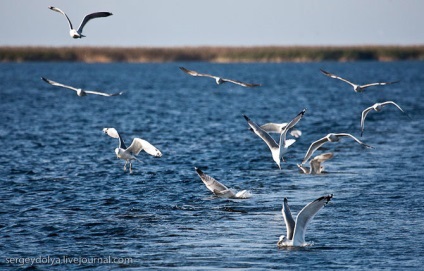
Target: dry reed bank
x,y
212,54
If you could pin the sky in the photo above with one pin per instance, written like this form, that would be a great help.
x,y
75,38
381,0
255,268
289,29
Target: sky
x,y
166,23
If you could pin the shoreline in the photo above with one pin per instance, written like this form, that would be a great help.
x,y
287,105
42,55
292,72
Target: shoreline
x,y
215,54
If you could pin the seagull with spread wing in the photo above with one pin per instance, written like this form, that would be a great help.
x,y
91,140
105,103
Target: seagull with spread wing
x,y
130,153
219,189
77,33
377,107
357,88
329,138
296,229
80,92
219,80
277,150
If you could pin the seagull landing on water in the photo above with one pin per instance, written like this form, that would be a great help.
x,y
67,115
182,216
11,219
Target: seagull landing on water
x,y
219,189
77,33
128,154
80,92
377,107
329,138
316,164
296,230
219,80
357,88
277,150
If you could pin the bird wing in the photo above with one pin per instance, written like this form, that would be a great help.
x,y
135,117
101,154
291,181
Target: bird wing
x,y
364,115
337,77
273,127
291,124
378,84
305,170
262,134
305,216
354,138
56,84
60,11
92,16
288,219
248,85
314,146
194,73
112,132
102,93
323,157
390,102
139,144
213,185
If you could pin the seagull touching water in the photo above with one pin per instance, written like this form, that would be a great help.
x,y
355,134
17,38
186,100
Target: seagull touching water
x,y
296,230
219,189
77,33
130,153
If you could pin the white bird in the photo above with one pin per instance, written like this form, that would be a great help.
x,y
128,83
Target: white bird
x,y
315,164
277,150
377,107
219,80
278,127
128,154
80,92
357,88
296,230
77,33
329,138
219,189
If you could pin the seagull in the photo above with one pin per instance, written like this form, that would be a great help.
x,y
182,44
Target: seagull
x,y
128,154
80,92
277,150
296,230
77,34
357,88
328,138
278,127
219,80
219,189
377,107
315,164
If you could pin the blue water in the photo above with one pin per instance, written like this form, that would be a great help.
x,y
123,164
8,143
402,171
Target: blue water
x,y
63,192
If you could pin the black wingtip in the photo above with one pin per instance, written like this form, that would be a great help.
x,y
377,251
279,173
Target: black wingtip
x,y
44,79
198,171
285,200
246,117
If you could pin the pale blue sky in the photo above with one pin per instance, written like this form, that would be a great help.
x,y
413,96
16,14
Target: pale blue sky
x,y
215,22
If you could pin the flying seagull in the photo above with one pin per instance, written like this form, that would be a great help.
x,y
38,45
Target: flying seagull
x,y
377,107
128,154
80,92
219,80
277,150
296,230
329,138
219,189
357,88
77,34
315,164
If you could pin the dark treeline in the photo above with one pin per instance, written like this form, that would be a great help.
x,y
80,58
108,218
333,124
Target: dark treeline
x,y
212,54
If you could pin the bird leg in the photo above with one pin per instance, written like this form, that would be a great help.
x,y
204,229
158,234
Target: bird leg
x,y
125,166
131,167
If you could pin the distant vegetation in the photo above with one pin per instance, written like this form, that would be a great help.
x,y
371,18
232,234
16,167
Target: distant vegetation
x,y
211,54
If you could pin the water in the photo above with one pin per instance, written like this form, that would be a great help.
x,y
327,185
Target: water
x,y
64,194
